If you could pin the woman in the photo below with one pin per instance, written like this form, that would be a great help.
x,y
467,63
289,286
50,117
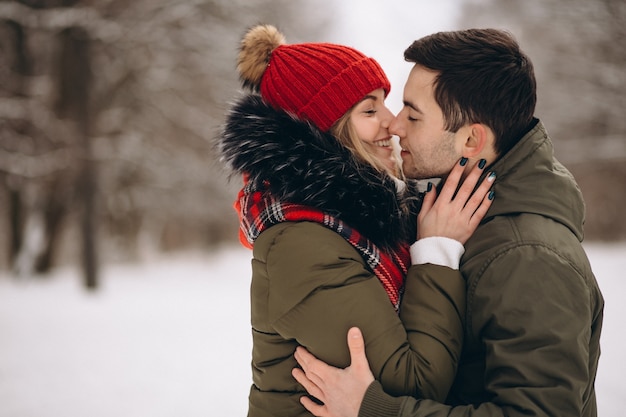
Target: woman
x,y
330,225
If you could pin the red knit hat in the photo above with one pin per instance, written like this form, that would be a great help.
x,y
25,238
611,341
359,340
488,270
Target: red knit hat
x,y
318,82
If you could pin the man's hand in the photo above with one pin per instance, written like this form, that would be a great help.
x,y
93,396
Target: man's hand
x,y
341,390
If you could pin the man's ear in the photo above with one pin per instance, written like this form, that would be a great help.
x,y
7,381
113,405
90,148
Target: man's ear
x,y
479,141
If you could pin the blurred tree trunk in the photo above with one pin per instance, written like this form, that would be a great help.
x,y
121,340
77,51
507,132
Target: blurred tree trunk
x,y
73,103
15,223
53,213
18,64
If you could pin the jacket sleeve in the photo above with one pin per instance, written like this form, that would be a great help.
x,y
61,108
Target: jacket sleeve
x,y
322,288
533,310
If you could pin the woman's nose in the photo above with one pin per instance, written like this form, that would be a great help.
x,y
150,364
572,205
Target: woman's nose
x,y
387,118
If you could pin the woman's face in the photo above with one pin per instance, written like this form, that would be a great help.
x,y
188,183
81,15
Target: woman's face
x,y
370,119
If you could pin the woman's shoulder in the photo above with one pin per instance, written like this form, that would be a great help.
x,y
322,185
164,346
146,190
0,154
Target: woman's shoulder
x,y
300,239
297,258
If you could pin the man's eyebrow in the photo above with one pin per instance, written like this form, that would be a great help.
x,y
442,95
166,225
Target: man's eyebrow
x,y
407,103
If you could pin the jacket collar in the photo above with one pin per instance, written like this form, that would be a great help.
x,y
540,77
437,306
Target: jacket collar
x,y
530,180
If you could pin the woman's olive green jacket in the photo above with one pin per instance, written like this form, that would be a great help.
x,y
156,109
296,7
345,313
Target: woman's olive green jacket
x,y
309,285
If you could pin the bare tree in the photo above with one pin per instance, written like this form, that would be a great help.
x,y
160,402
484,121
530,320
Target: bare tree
x,y
123,138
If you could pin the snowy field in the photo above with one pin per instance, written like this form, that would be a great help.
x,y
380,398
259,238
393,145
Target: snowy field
x,y
171,338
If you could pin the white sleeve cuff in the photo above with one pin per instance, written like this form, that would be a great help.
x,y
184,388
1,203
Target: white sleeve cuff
x,y
437,250
400,185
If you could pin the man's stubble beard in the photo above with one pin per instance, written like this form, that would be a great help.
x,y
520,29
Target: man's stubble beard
x,y
441,160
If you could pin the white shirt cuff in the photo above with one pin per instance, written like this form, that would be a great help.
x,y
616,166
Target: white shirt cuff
x,y
437,250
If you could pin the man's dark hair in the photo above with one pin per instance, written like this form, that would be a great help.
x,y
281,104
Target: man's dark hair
x,y
483,77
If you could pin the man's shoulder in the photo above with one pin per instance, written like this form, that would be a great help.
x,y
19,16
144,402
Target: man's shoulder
x,y
516,231
514,243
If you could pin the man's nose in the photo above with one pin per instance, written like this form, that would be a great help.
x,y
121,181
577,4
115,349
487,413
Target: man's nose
x,y
396,127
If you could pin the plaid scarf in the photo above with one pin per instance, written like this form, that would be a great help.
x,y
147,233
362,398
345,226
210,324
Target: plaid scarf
x,y
258,210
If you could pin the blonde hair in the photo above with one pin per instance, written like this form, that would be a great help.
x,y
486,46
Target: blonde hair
x,y
347,136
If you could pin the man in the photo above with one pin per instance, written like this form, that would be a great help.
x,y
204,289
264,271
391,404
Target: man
x,y
534,309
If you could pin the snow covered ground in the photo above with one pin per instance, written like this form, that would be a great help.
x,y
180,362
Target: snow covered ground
x,y
171,338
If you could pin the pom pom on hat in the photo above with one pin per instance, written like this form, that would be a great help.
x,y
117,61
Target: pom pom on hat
x,y
255,52
318,82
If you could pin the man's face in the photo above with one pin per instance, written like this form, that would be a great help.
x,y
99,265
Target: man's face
x,y
428,150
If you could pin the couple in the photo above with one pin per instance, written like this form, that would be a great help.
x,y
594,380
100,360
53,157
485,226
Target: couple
x,y
338,243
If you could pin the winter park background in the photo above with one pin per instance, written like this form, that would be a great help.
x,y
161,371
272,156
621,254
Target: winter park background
x,y
122,292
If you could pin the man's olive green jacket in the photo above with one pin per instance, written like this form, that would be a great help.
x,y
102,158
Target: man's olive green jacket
x,y
534,308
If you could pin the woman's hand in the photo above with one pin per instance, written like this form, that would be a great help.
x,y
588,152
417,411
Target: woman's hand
x,y
456,216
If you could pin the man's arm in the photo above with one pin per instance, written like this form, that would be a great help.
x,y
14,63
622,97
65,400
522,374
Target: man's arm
x,y
539,350
353,392
341,390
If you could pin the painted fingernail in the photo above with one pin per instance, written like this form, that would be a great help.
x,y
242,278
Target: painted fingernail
x,y
491,195
492,176
482,163
429,187
463,161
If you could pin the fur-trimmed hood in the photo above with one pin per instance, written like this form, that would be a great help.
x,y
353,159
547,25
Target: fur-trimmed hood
x,y
306,166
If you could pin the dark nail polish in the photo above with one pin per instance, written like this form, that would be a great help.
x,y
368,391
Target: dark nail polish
x,y
482,163
492,175
491,195
429,187
463,161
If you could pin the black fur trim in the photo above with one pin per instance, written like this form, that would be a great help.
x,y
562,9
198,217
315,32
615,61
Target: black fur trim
x,y
306,166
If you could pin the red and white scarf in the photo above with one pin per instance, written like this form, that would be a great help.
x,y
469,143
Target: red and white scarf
x,y
258,210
